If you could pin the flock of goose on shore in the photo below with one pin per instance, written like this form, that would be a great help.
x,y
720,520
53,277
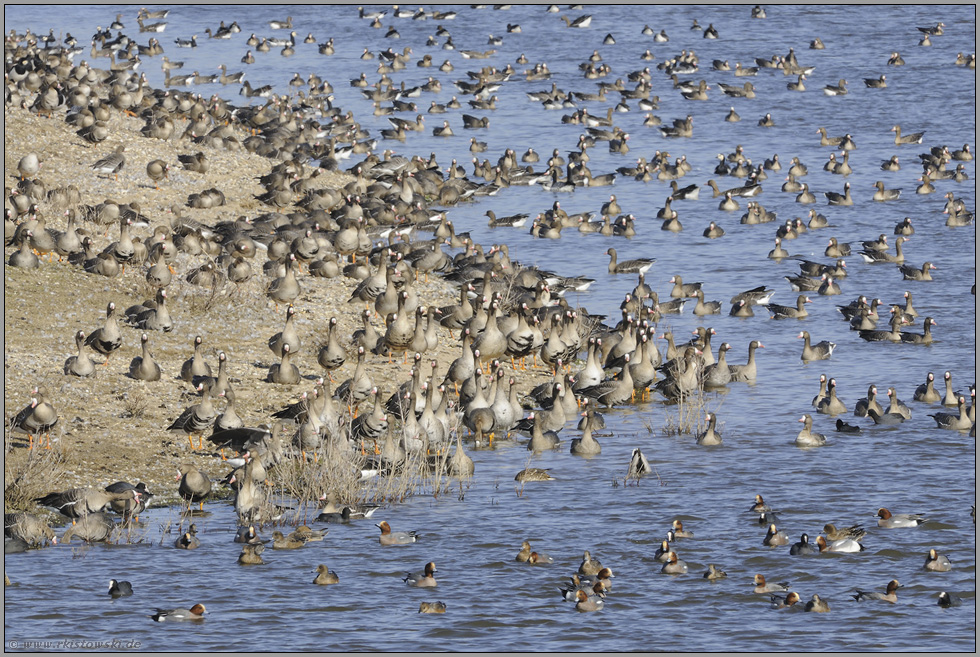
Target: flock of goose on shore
x,y
371,230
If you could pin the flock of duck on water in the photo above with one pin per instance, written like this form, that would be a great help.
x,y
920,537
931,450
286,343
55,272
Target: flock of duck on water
x,y
504,310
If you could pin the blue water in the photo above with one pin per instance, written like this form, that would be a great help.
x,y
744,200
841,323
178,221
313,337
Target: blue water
x,y
499,605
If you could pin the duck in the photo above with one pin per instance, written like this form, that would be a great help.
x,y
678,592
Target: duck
x,y
775,537
846,544
673,565
888,520
389,537
890,594
936,562
251,555
188,540
761,586
677,528
779,602
325,576
816,604
807,437
424,579
584,602
819,351
714,572
195,613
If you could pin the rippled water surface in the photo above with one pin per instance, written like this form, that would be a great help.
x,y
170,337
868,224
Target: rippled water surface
x,y
496,604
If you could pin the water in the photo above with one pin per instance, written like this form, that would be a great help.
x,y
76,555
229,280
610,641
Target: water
x,y
497,604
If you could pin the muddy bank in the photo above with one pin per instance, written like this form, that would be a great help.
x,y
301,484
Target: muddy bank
x,y
113,427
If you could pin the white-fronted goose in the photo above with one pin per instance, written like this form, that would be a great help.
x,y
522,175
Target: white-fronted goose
x,y
79,502
807,437
108,338
709,436
284,372
196,419
920,338
911,273
789,312
882,194
834,198
875,256
831,404
915,138
195,486
143,367
80,365
288,335
195,367
638,265
862,406
954,421
819,351
748,371
926,392
111,164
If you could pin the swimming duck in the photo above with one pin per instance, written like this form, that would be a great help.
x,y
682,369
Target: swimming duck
x,y
423,579
936,562
673,566
890,594
195,613
389,537
761,586
887,520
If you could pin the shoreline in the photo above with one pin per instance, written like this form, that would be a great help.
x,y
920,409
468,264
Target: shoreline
x,y
102,442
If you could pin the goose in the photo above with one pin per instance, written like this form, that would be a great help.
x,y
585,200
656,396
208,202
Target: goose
x,y
870,403
831,405
748,371
143,367
954,421
920,338
709,436
839,89
911,273
820,351
790,312
80,365
876,83
834,198
874,256
639,265
914,138
807,437
883,194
